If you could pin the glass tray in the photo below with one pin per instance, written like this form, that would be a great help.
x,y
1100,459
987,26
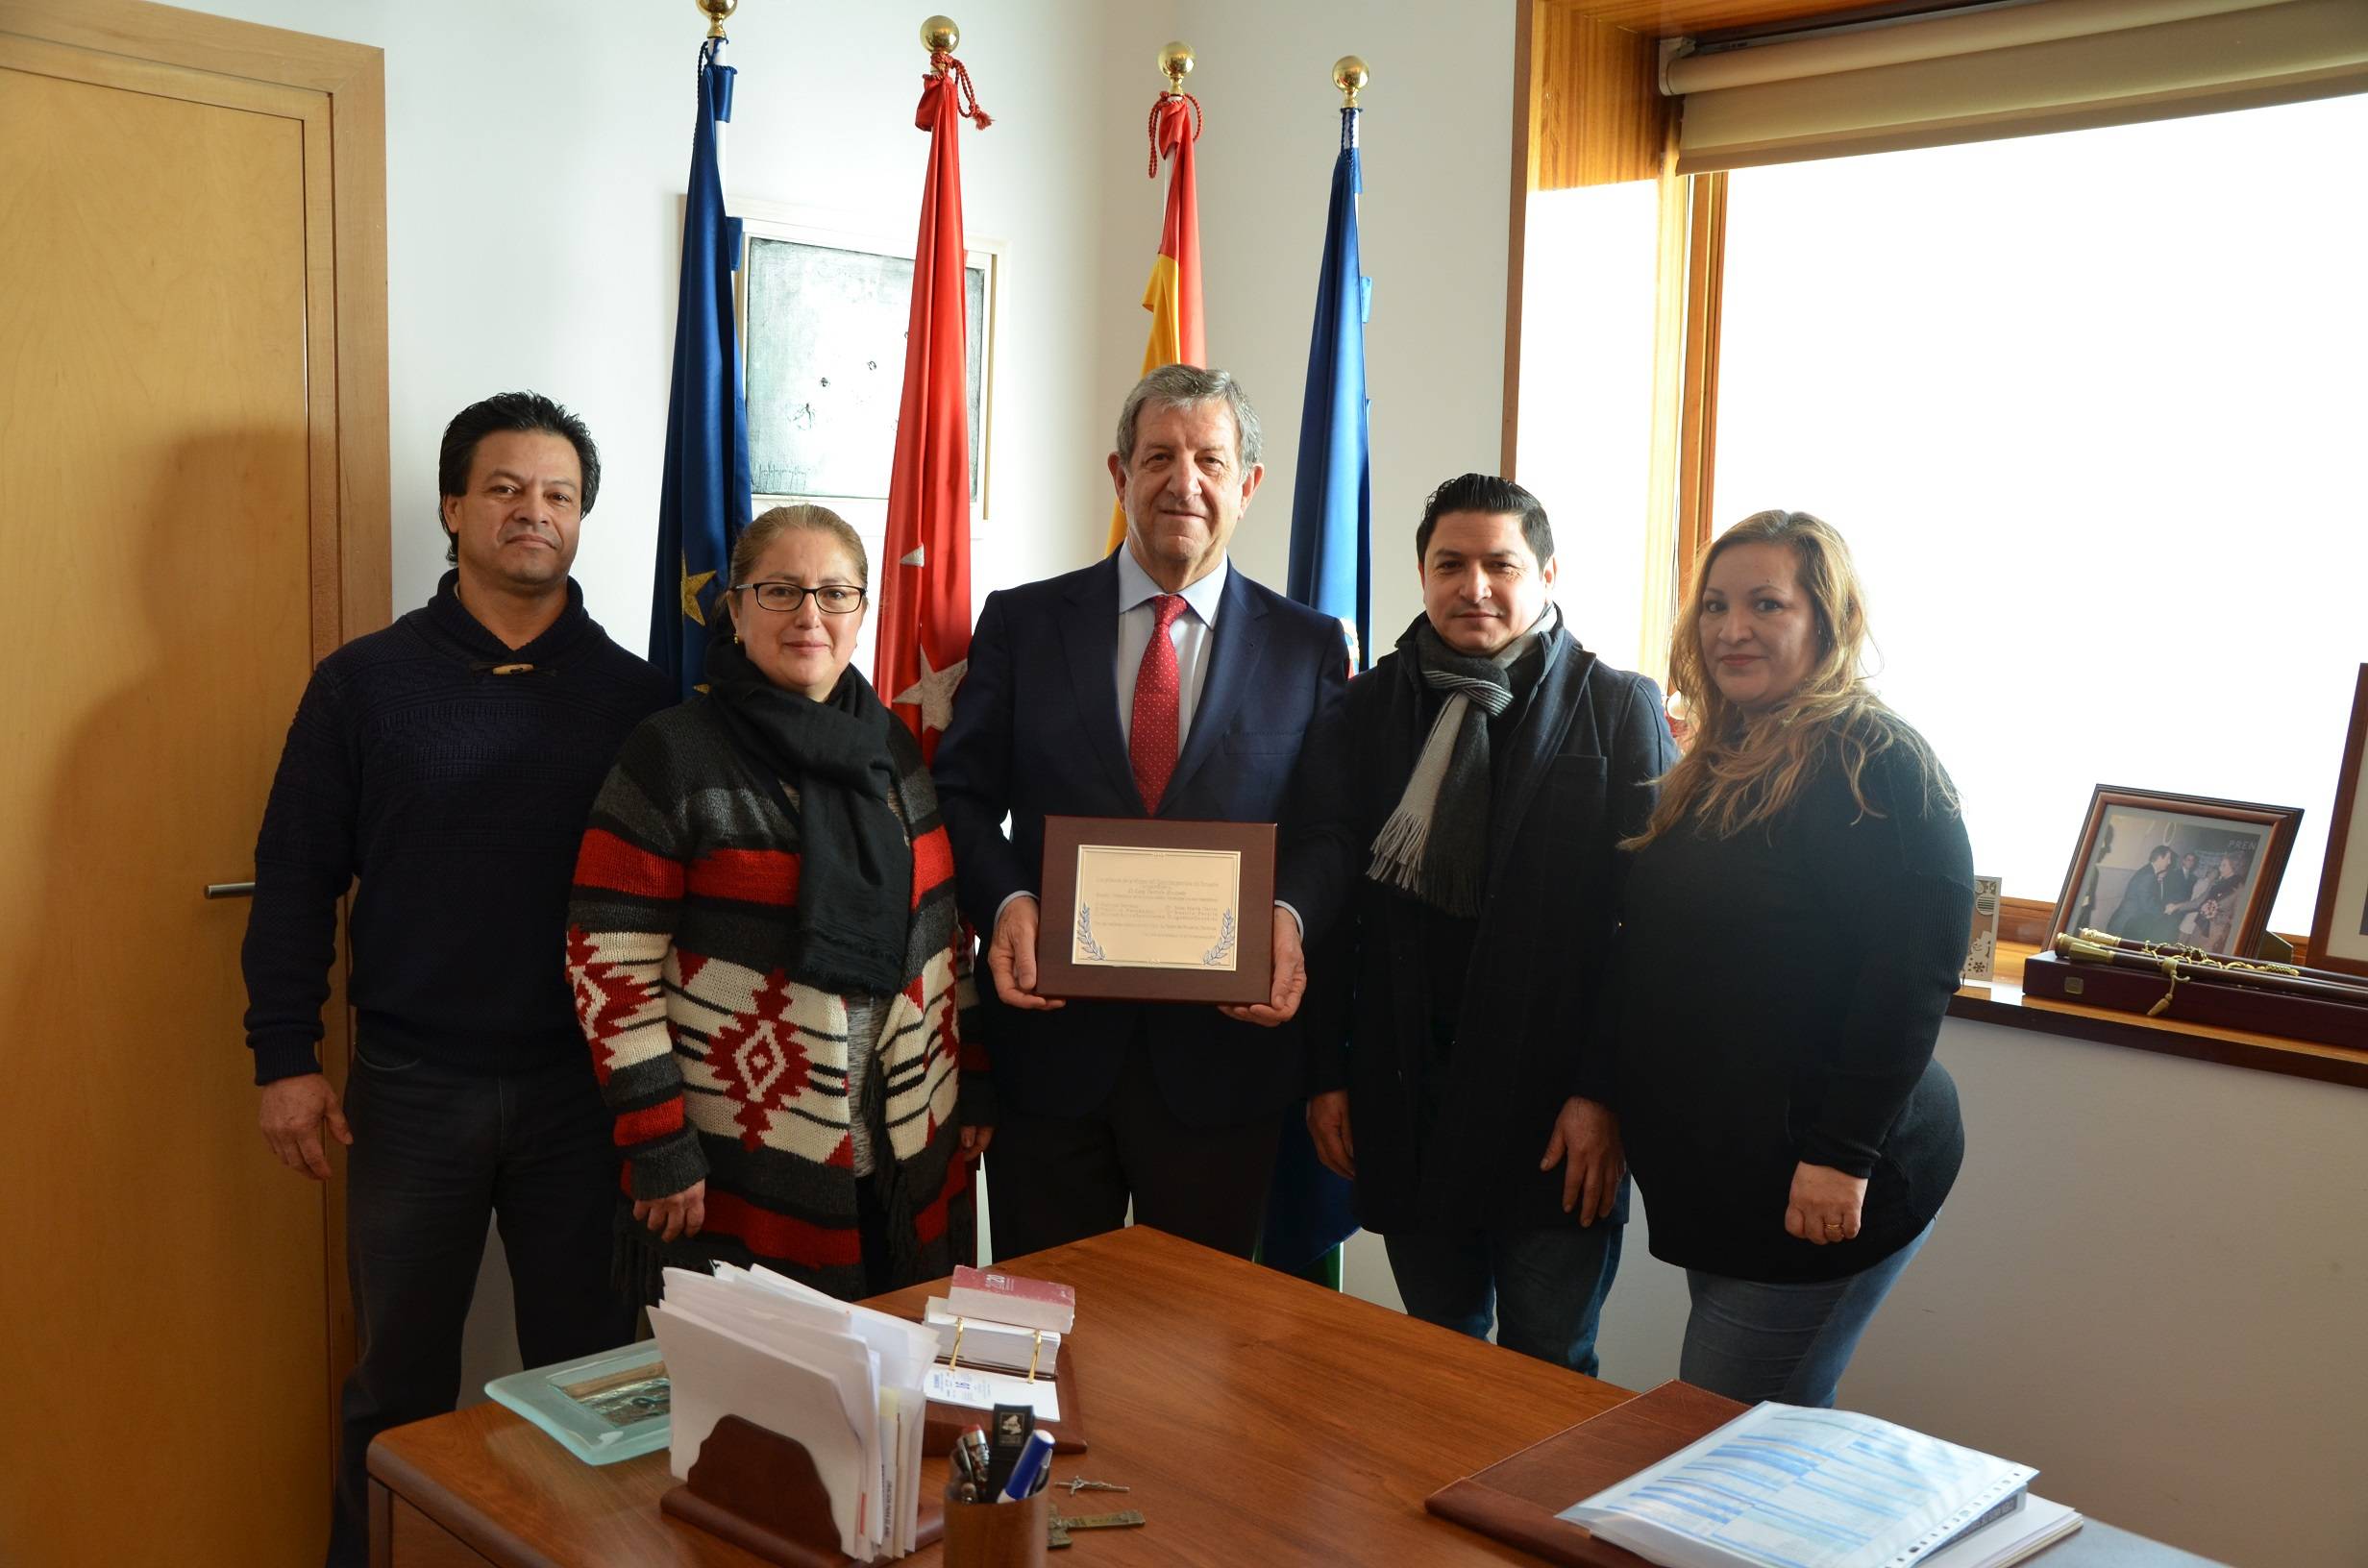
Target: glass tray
x,y
602,1408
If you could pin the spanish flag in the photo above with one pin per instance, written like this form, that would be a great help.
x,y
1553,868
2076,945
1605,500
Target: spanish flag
x,y
1179,332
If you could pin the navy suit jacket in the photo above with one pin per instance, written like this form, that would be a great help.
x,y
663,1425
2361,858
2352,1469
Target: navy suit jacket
x,y
1035,732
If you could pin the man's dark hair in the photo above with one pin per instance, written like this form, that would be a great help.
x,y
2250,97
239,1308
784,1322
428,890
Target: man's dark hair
x,y
510,411
2160,851
1486,493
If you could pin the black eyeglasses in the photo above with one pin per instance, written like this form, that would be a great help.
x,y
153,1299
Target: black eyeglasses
x,y
831,598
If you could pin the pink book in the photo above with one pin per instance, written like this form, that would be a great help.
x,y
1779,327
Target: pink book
x,y
1012,1298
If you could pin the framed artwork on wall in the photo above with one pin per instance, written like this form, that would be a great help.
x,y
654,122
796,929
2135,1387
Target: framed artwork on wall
x,y
2176,869
2339,924
823,317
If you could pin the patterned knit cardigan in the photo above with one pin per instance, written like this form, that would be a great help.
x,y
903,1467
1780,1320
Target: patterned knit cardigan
x,y
717,1065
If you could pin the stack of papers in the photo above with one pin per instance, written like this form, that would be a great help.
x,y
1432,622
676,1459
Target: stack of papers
x,y
1007,1347
845,1381
1781,1486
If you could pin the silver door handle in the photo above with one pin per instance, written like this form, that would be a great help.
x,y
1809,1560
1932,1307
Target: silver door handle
x,y
229,890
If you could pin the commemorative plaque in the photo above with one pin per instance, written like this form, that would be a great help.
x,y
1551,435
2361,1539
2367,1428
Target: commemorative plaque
x,y
1140,910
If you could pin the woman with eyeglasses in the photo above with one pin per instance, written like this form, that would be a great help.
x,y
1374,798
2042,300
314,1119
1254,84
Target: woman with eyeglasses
x,y
762,944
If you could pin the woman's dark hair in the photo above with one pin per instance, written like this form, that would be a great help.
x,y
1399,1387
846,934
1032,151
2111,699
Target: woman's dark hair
x,y
510,411
1494,496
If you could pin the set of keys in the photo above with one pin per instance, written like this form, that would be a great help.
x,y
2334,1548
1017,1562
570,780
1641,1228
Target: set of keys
x,y
1061,1525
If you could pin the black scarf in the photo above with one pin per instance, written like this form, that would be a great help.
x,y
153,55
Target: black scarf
x,y
856,871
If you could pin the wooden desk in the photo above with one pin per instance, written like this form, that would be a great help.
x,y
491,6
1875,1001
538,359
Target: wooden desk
x,y
1258,1418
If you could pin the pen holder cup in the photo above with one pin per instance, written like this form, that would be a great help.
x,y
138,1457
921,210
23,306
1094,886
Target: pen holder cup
x,y
997,1534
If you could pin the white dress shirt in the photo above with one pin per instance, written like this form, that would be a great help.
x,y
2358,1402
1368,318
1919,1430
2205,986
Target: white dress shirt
x,y
1192,632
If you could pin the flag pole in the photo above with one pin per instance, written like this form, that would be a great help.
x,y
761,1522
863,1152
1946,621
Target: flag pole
x,y
1349,74
1310,1211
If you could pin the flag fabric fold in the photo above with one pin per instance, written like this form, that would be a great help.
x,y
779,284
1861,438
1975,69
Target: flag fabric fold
x,y
1310,1211
923,627
1179,334
1332,503
703,493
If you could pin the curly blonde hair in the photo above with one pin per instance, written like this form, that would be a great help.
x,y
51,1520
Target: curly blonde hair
x,y
1744,768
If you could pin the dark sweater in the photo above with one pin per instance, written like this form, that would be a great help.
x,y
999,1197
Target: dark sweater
x,y
458,797
1782,993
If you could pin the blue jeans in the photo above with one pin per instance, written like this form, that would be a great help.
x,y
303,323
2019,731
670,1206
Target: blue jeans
x,y
1751,1341
437,1154
1544,1288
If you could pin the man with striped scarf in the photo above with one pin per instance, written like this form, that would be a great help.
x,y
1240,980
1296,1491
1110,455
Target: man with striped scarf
x,y
1493,765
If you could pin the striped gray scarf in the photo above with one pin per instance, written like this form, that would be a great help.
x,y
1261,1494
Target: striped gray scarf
x,y
1435,843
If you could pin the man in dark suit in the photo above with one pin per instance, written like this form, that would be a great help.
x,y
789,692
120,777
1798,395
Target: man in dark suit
x,y
1493,765
2143,914
1158,682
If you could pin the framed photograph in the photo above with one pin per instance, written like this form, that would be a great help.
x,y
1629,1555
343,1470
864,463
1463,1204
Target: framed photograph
x,y
2339,927
824,314
2180,868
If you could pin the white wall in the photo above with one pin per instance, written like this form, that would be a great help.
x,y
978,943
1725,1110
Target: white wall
x,y
1437,139
536,152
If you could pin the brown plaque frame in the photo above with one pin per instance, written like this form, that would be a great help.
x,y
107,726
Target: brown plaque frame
x,y
1251,979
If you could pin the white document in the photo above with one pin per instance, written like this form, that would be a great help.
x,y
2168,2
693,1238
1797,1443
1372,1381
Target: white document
x,y
812,1333
902,1351
1158,909
977,1389
1780,1486
1006,1347
2036,1524
716,1373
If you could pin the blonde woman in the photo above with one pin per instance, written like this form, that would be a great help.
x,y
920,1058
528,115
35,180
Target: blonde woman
x,y
1796,917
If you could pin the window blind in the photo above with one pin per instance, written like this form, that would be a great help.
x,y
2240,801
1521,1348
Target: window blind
x,y
2010,71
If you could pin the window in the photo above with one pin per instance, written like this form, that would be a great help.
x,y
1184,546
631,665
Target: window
x,y
2089,410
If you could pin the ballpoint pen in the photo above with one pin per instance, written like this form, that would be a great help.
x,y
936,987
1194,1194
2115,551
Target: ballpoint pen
x,y
1027,1475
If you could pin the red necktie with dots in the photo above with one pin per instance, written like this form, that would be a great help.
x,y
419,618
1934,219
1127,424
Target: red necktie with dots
x,y
1152,735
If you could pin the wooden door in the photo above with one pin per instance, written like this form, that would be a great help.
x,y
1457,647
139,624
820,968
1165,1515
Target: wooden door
x,y
175,520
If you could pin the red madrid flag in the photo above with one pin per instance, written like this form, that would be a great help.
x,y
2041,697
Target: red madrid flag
x,y
925,597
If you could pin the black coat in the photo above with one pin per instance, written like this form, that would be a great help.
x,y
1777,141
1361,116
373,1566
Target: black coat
x,y
1573,774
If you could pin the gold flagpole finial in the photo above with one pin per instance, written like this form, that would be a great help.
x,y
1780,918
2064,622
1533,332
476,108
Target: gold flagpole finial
x,y
1349,74
939,36
715,10
1175,63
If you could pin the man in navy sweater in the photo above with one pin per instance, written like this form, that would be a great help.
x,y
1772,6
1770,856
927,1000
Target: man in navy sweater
x,y
449,763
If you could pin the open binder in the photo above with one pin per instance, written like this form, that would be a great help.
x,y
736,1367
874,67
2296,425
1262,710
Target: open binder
x,y
1515,1499
1518,1499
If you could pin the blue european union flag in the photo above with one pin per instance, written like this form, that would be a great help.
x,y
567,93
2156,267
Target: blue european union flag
x,y
1309,1210
703,498
1332,509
